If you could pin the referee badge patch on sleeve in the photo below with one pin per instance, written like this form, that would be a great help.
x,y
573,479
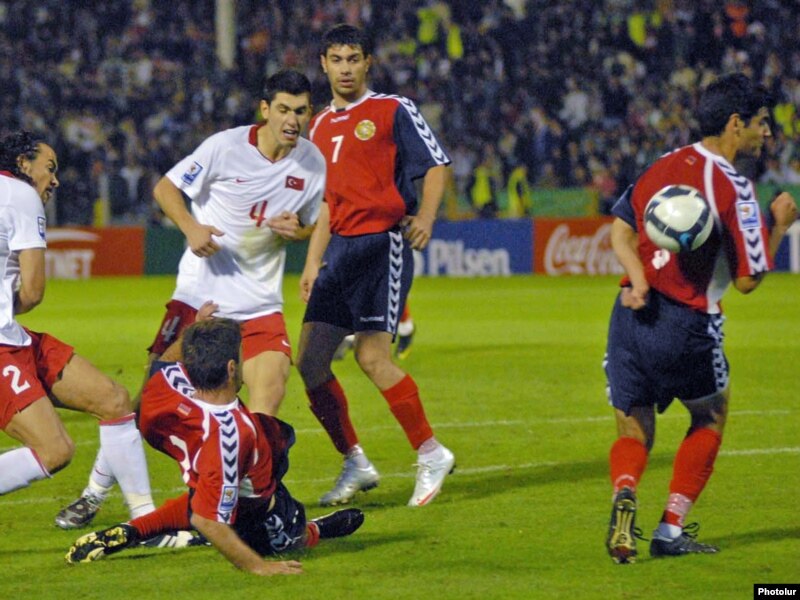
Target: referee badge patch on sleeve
x,y
42,226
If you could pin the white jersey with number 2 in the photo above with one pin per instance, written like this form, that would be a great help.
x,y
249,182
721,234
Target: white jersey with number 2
x,y
237,189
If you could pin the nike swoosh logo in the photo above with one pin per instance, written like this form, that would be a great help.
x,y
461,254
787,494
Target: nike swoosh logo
x,y
285,343
240,180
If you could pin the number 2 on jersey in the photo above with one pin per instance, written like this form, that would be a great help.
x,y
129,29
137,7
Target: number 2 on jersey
x,y
16,374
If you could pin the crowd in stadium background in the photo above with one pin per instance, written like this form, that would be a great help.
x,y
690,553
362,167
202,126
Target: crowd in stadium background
x,y
579,92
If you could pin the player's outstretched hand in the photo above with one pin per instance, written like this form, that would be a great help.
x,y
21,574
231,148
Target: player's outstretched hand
x,y
784,210
287,225
418,230
286,567
201,240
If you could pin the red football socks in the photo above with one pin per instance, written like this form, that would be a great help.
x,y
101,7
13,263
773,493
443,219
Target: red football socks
x,y
404,402
329,405
627,459
172,515
694,462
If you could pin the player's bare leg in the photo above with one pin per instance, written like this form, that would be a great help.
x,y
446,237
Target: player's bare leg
x,y
435,462
82,511
265,376
48,447
318,343
82,386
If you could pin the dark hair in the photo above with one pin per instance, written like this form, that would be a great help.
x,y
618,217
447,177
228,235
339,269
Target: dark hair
x,y
207,347
346,35
15,145
728,95
288,81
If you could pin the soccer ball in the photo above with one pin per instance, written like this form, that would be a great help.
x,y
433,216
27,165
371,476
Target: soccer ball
x,y
677,218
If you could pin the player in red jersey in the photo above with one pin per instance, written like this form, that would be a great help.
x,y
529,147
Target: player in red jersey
x,y
665,336
253,188
232,460
360,262
38,371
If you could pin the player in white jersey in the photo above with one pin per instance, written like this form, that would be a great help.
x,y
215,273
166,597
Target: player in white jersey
x,y
38,371
252,189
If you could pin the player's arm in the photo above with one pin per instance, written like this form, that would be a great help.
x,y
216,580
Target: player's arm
x,y
784,213
199,237
320,238
31,280
231,546
625,242
420,226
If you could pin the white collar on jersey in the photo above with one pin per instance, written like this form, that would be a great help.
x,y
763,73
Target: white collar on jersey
x,y
366,95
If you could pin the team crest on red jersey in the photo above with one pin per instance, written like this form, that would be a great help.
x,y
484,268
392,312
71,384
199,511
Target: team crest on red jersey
x,y
295,183
365,130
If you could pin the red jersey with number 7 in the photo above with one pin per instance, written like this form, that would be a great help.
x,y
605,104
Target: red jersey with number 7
x,y
374,149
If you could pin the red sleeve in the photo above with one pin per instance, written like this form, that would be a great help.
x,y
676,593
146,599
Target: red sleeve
x,y
214,497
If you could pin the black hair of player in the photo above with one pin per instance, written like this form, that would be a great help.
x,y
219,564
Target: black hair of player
x,y
288,81
207,348
15,146
346,35
731,94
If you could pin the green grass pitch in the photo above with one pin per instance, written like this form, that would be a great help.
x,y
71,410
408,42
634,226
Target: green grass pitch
x,y
510,373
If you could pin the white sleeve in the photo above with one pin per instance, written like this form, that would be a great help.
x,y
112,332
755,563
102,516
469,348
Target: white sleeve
x,y
195,172
28,222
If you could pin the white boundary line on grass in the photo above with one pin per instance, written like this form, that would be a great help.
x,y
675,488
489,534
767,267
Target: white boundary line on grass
x,y
409,474
498,423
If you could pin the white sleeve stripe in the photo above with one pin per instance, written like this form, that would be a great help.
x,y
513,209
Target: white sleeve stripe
x,y
229,455
424,131
754,241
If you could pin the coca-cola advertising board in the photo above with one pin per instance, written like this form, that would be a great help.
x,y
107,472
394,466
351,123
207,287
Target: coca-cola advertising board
x,y
574,247
83,252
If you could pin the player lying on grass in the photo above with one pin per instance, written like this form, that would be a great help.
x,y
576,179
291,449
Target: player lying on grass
x,y
231,459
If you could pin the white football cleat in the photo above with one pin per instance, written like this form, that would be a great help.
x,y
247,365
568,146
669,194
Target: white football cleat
x,y
430,476
352,479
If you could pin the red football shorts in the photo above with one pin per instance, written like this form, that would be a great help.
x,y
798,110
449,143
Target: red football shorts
x,y
27,373
262,334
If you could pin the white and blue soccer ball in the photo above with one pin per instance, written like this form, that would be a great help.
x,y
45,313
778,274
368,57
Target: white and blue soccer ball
x,y
677,218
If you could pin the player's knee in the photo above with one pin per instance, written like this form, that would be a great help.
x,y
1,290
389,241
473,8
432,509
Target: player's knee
x,y
312,372
57,453
117,403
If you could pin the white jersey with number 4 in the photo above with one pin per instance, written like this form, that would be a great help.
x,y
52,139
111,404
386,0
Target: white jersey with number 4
x,y
22,227
237,189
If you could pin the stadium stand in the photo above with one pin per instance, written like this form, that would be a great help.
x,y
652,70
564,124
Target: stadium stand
x,y
579,92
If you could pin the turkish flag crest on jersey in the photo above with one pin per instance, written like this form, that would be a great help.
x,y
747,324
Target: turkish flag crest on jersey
x,y
295,183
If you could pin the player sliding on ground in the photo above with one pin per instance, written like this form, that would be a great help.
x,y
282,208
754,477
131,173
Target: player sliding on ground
x,y
231,459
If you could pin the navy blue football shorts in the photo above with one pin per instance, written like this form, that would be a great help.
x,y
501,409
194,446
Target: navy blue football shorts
x,y
275,530
664,351
364,282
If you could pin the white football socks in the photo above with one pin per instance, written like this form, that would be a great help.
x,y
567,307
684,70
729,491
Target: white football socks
x,y
101,480
19,468
122,449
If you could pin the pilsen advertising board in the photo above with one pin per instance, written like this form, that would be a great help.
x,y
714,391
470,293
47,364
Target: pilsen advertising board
x,y
83,252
